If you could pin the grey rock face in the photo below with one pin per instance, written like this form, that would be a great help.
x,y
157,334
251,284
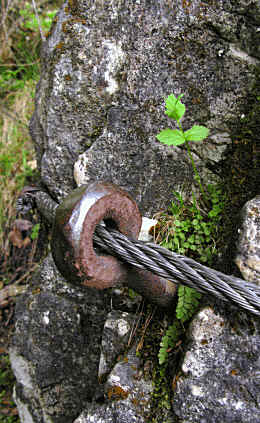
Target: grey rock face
x,y
116,412
115,337
56,348
106,69
221,370
127,393
221,365
248,254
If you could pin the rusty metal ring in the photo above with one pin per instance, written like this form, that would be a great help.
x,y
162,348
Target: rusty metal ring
x,y
74,226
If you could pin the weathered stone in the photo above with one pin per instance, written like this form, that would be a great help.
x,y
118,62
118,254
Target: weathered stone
x,y
106,69
221,367
56,347
115,412
115,337
127,393
248,251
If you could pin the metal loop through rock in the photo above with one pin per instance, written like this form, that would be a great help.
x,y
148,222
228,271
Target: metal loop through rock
x,y
72,242
169,265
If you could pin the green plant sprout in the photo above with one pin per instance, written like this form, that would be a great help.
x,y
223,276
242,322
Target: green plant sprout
x,y
175,109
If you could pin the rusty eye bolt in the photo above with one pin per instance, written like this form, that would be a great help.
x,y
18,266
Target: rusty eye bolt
x,y
72,242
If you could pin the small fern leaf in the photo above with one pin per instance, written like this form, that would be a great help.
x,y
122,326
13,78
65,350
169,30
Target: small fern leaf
x,y
169,341
187,303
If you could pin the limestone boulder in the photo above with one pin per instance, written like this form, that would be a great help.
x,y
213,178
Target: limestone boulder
x,y
106,70
248,251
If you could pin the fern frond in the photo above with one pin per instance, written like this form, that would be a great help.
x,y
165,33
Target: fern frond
x,y
188,303
169,340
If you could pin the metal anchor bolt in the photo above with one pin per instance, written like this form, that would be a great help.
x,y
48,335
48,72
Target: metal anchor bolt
x,y
72,242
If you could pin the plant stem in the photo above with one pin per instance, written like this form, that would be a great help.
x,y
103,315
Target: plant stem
x,y
198,179
196,172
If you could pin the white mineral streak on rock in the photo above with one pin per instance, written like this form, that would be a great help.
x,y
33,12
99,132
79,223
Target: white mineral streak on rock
x,y
147,224
120,325
79,169
241,55
46,319
21,369
114,379
197,391
114,59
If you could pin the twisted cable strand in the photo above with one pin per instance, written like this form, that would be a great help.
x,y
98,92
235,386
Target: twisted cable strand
x,y
172,270
249,291
220,281
179,269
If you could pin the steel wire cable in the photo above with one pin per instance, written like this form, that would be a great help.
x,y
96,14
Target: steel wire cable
x,y
249,291
141,258
223,283
159,265
129,253
167,264
179,269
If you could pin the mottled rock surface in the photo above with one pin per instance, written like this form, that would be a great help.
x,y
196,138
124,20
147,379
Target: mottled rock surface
x,y
127,394
221,367
56,347
116,334
106,69
248,252
220,379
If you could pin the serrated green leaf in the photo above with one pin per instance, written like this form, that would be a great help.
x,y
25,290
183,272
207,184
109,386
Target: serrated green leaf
x,y
174,107
196,133
171,137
